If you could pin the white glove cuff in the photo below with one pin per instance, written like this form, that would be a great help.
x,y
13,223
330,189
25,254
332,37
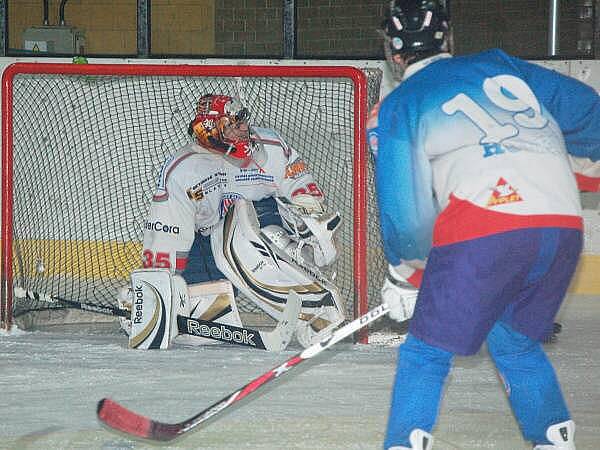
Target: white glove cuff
x,y
400,296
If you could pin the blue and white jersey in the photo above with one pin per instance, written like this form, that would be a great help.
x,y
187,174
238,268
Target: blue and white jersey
x,y
477,145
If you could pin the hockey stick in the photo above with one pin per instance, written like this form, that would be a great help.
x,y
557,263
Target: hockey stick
x,y
275,340
129,422
91,307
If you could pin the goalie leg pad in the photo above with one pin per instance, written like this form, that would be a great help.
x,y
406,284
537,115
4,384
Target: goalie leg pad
x,y
275,340
163,310
212,301
265,275
155,293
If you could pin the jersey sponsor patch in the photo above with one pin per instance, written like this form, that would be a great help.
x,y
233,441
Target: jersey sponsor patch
x,y
227,200
195,193
295,169
503,193
158,226
253,175
212,182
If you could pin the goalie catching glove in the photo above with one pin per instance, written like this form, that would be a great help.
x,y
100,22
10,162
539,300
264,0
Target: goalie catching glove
x,y
305,218
400,291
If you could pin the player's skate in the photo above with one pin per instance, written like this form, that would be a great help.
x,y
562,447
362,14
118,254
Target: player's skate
x,y
419,440
561,435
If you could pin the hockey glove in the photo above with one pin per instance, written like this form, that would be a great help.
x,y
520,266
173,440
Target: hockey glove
x,y
399,294
306,219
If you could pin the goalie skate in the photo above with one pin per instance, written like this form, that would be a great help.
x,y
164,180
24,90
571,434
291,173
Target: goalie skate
x,y
124,302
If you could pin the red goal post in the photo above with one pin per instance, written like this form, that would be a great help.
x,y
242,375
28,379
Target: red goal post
x,y
67,128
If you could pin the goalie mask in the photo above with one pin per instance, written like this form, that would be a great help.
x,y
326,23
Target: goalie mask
x,y
221,124
415,28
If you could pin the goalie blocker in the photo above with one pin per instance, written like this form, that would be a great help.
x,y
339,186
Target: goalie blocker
x,y
165,310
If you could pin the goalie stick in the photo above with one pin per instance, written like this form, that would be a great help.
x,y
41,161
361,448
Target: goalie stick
x,y
275,340
21,293
129,422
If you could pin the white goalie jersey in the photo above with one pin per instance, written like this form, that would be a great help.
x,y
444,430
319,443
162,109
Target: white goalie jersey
x,y
200,191
196,187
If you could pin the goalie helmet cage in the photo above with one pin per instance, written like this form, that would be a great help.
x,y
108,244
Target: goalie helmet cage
x,y
82,145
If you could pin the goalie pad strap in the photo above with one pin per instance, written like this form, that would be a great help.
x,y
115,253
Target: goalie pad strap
x,y
313,227
164,308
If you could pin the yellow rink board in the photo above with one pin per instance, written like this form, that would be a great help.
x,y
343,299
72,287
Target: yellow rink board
x,y
587,276
77,259
109,260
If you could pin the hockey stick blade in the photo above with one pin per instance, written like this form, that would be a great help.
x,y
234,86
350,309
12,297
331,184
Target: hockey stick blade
x,y
129,422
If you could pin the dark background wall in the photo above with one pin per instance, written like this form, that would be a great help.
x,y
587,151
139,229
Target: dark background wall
x,y
339,28
521,27
249,27
348,28
324,28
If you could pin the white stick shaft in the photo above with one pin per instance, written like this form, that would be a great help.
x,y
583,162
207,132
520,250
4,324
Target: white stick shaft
x,y
346,331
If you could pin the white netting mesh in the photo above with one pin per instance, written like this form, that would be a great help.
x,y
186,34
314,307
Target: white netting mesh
x,y
87,150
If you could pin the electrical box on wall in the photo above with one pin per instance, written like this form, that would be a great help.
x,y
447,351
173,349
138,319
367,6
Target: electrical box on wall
x,y
54,39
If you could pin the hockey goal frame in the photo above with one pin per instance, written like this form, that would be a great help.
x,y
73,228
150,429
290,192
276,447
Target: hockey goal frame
x,y
360,171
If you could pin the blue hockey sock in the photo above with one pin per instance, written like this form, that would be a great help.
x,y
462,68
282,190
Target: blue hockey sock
x,y
529,380
420,375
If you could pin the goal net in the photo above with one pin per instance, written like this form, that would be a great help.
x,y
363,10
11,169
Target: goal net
x,y
83,145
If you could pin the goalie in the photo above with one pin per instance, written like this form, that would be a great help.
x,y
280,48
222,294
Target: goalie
x,y
238,205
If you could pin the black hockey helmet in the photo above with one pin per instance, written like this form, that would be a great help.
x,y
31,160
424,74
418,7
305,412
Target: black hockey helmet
x,y
416,27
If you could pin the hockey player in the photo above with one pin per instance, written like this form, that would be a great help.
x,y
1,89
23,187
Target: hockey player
x,y
473,175
217,214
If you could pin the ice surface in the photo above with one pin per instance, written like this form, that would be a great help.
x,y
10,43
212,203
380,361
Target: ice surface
x,y
50,382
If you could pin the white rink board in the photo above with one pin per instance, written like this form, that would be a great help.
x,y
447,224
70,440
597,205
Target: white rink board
x,y
587,71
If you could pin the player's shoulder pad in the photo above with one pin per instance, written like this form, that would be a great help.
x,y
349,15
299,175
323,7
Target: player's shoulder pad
x,y
183,162
268,136
188,156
